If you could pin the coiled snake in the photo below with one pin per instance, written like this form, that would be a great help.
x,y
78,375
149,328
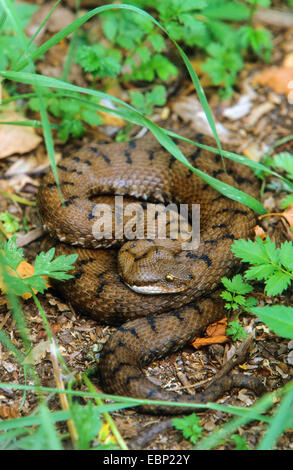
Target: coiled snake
x,y
151,325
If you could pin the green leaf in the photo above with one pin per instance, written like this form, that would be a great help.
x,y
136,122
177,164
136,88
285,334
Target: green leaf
x,y
91,117
236,285
13,255
287,201
286,255
87,421
56,268
251,252
278,318
240,442
110,27
157,96
250,302
226,295
260,272
235,329
189,425
157,42
285,161
10,222
144,54
272,251
277,283
233,11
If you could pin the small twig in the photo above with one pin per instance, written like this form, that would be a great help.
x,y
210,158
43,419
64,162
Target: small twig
x,y
143,440
29,237
236,359
63,396
274,17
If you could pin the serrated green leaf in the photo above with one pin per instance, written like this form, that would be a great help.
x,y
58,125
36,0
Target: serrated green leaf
x,y
227,283
236,285
15,284
226,295
13,255
278,317
157,42
91,117
251,252
272,251
239,299
56,268
260,272
277,283
250,302
235,329
189,425
88,423
286,255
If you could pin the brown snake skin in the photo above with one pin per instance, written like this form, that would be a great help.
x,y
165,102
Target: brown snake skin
x,y
150,325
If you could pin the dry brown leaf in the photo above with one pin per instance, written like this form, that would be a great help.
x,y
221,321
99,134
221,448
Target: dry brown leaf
x,y
110,120
16,139
253,152
259,232
215,334
277,78
9,411
288,215
38,352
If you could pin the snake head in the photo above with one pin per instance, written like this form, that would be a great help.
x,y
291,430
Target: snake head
x,y
149,268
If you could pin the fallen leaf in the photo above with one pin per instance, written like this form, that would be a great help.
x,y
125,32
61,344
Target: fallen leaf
x,y
259,232
9,411
37,353
288,215
190,109
16,139
253,152
215,334
277,78
110,120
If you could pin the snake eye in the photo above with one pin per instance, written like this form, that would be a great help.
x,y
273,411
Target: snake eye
x,y
169,277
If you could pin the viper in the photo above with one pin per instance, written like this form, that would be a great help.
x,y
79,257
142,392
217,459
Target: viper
x,y
159,295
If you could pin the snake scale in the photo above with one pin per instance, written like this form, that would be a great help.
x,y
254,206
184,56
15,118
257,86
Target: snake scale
x,y
149,325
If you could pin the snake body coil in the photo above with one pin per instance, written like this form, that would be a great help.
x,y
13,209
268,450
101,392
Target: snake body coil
x,y
150,325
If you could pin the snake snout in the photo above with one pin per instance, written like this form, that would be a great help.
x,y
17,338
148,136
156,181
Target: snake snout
x,y
148,268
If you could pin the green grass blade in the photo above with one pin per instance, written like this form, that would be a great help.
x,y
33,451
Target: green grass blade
x,y
279,422
53,440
